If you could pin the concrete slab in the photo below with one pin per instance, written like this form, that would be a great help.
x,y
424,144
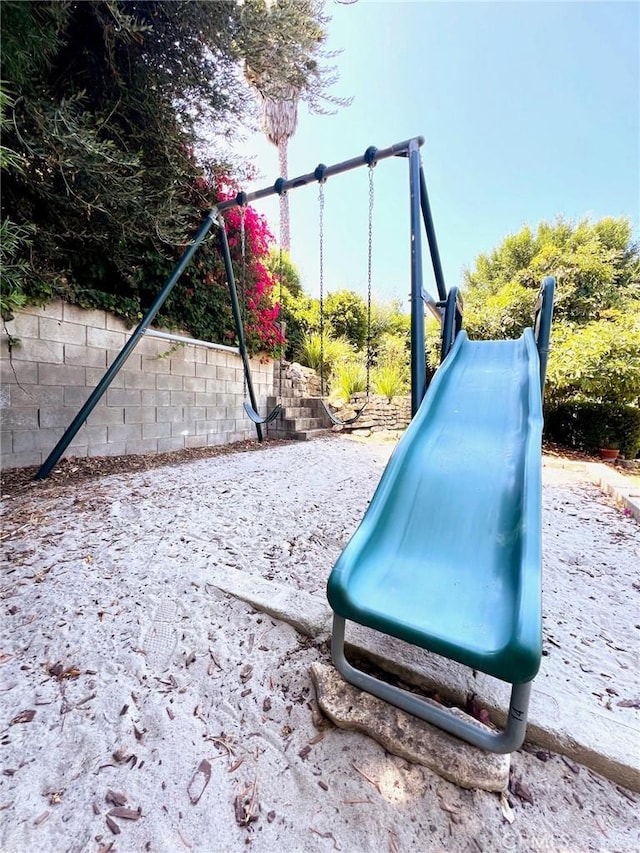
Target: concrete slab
x,y
308,614
406,736
558,721
616,486
580,704
610,481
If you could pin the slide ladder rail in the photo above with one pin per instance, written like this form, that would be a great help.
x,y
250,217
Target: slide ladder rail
x,y
451,322
542,324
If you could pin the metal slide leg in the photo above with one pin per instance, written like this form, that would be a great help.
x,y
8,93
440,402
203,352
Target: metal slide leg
x,y
508,740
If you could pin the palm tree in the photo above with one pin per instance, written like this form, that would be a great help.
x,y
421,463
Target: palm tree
x,y
279,122
282,66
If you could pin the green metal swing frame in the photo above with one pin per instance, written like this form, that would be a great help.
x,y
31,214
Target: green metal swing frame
x,y
213,218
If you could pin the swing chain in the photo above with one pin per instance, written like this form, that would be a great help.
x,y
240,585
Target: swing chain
x,y
319,175
249,406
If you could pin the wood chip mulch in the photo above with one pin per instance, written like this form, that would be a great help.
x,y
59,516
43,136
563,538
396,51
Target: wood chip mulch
x,y
78,470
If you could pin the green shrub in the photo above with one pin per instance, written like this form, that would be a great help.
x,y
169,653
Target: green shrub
x,y
301,315
389,381
350,378
346,315
393,349
15,271
432,331
590,426
599,361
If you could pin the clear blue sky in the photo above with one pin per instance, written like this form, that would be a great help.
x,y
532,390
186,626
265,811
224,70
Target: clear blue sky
x,y
529,110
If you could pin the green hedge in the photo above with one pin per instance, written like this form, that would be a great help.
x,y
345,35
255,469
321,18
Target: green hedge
x,y
590,426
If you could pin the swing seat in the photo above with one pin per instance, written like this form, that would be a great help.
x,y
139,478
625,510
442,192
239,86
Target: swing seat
x,y
258,419
448,555
337,421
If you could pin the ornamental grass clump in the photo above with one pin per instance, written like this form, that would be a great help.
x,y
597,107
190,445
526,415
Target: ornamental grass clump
x,y
350,379
389,381
331,354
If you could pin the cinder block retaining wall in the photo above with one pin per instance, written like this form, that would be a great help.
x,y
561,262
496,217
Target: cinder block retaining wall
x,y
166,397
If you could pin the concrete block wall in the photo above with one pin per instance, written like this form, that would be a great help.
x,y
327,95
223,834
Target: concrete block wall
x,y
166,397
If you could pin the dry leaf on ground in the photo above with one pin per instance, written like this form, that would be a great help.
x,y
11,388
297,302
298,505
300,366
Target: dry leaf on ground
x,y
23,717
199,782
506,809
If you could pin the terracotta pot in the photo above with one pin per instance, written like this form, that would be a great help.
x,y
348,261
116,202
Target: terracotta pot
x,y
609,453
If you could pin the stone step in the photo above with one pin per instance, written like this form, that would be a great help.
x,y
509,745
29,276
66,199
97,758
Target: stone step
x,y
295,411
312,403
301,419
298,424
287,385
287,428
284,401
307,435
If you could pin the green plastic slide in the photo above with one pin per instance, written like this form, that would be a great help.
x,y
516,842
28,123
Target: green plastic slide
x,y
448,555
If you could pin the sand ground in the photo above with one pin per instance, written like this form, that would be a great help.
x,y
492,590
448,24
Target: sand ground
x,y
145,710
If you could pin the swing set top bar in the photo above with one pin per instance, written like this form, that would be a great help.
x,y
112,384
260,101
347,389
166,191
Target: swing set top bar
x,y
321,173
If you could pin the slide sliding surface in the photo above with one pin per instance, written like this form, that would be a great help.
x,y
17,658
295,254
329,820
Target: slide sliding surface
x,y
448,554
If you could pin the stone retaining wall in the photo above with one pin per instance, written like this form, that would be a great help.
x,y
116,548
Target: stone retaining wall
x,y
166,397
304,381
379,414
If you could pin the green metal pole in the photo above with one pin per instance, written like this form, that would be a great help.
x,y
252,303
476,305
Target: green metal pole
x,y
235,307
418,369
126,351
431,237
400,149
542,324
